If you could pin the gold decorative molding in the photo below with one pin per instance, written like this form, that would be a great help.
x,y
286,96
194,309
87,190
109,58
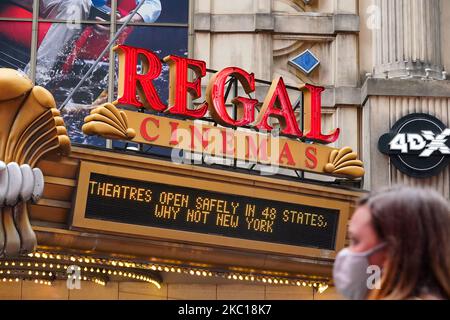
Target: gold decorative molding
x,y
31,128
109,122
345,162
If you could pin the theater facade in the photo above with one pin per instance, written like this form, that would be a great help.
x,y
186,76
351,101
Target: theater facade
x,y
214,152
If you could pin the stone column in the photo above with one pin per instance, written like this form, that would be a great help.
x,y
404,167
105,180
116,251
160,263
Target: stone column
x,y
407,40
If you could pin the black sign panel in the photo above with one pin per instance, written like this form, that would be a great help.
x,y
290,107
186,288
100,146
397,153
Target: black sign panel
x,y
155,204
418,145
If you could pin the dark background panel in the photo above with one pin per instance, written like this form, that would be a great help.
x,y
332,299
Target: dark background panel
x,y
143,213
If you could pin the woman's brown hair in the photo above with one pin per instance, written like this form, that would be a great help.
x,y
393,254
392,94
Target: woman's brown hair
x,y
415,225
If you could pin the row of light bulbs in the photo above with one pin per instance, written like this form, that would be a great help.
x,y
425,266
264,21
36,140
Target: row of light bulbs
x,y
61,267
320,284
39,275
37,281
49,283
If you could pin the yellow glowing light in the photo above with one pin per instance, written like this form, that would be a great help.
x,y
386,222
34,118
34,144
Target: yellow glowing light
x,y
322,288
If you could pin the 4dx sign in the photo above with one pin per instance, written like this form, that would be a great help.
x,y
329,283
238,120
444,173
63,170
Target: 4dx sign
x,y
428,143
276,104
418,145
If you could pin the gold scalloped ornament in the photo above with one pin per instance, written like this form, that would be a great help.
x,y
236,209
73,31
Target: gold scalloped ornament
x,y
109,122
345,162
31,127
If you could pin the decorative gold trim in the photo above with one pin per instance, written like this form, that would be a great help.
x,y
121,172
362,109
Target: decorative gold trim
x,y
109,122
31,128
45,265
345,162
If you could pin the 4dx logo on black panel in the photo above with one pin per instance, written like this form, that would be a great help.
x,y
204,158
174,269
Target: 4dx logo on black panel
x,y
418,145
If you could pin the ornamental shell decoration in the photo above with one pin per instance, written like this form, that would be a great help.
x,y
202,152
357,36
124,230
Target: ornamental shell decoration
x,y
109,122
345,162
31,128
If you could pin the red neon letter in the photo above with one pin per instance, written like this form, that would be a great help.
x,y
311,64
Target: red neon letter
x,y
130,80
260,151
313,115
202,136
174,133
286,153
215,97
277,104
311,158
180,86
144,131
227,142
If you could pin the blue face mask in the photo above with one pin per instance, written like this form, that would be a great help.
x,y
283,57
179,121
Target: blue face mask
x,y
350,272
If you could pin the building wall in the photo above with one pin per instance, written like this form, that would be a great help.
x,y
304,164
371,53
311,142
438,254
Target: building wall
x,y
355,41
261,36
402,39
382,112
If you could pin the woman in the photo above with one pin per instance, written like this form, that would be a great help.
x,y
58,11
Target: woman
x,y
404,233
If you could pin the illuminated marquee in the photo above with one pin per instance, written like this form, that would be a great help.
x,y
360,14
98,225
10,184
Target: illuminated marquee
x,y
276,103
170,206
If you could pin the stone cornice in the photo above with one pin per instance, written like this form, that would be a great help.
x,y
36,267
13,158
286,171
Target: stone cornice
x,y
405,88
299,23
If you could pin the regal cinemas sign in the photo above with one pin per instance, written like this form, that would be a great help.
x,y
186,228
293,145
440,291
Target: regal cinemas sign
x,y
249,137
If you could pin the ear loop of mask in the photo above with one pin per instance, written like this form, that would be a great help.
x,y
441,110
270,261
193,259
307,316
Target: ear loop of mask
x,y
376,248
371,251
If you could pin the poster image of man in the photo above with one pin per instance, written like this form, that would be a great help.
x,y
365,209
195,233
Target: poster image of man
x,y
61,36
71,36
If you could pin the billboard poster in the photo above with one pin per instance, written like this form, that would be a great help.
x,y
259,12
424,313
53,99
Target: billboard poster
x,y
71,36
